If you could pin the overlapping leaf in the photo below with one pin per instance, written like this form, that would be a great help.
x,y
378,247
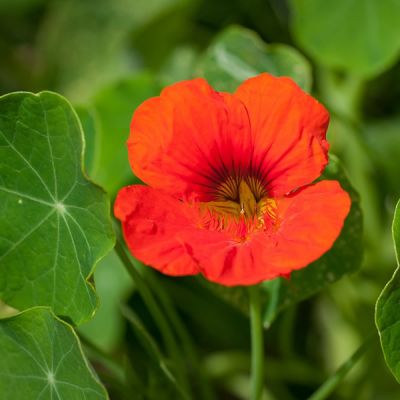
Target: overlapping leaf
x,y
41,358
237,54
54,223
388,311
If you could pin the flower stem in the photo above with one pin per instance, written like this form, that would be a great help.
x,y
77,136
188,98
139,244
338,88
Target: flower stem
x,y
184,337
155,310
333,382
257,344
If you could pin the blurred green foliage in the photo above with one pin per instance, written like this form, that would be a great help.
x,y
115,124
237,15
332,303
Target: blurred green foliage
x,y
107,56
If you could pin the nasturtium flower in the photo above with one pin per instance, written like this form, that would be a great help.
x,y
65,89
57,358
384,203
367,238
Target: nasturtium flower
x,y
230,177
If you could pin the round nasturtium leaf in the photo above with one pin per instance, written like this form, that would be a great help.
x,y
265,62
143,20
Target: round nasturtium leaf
x,y
238,54
387,313
54,223
361,36
41,358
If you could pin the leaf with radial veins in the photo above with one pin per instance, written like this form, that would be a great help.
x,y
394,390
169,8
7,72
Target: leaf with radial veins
x,y
41,358
387,313
54,223
238,54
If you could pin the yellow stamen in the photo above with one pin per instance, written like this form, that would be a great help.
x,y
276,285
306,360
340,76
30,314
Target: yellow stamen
x,y
247,201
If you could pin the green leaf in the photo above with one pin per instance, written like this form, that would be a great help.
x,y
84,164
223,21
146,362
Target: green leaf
x,y
179,65
93,37
114,106
83,45
362,37
387,312
383,141
345,257
41,358
237,54
54,223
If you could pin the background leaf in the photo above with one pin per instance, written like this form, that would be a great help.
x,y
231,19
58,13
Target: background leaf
x,y
54,223
237,54
387,312
41,358
179,65
362,36
114,107
93,38
383,141
12,7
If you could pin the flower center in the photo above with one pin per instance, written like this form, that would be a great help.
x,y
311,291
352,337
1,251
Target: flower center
x,y
240,206
238,198
241,198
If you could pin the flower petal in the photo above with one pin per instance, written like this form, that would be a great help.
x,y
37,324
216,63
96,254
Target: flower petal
x,y
162,231
187,140
311,221
289,132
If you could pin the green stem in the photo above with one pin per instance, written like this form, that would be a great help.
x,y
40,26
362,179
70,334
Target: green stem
x,y
332,383
184,337
153,350
147,297
99,354
257,344
273,302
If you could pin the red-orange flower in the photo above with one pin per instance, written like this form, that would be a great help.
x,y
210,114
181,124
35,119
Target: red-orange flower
x,y
230,177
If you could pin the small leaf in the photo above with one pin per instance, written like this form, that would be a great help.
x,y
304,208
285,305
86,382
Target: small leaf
x,y
362,37
54,223
383,141
387,313
41,358
345,257
237,54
